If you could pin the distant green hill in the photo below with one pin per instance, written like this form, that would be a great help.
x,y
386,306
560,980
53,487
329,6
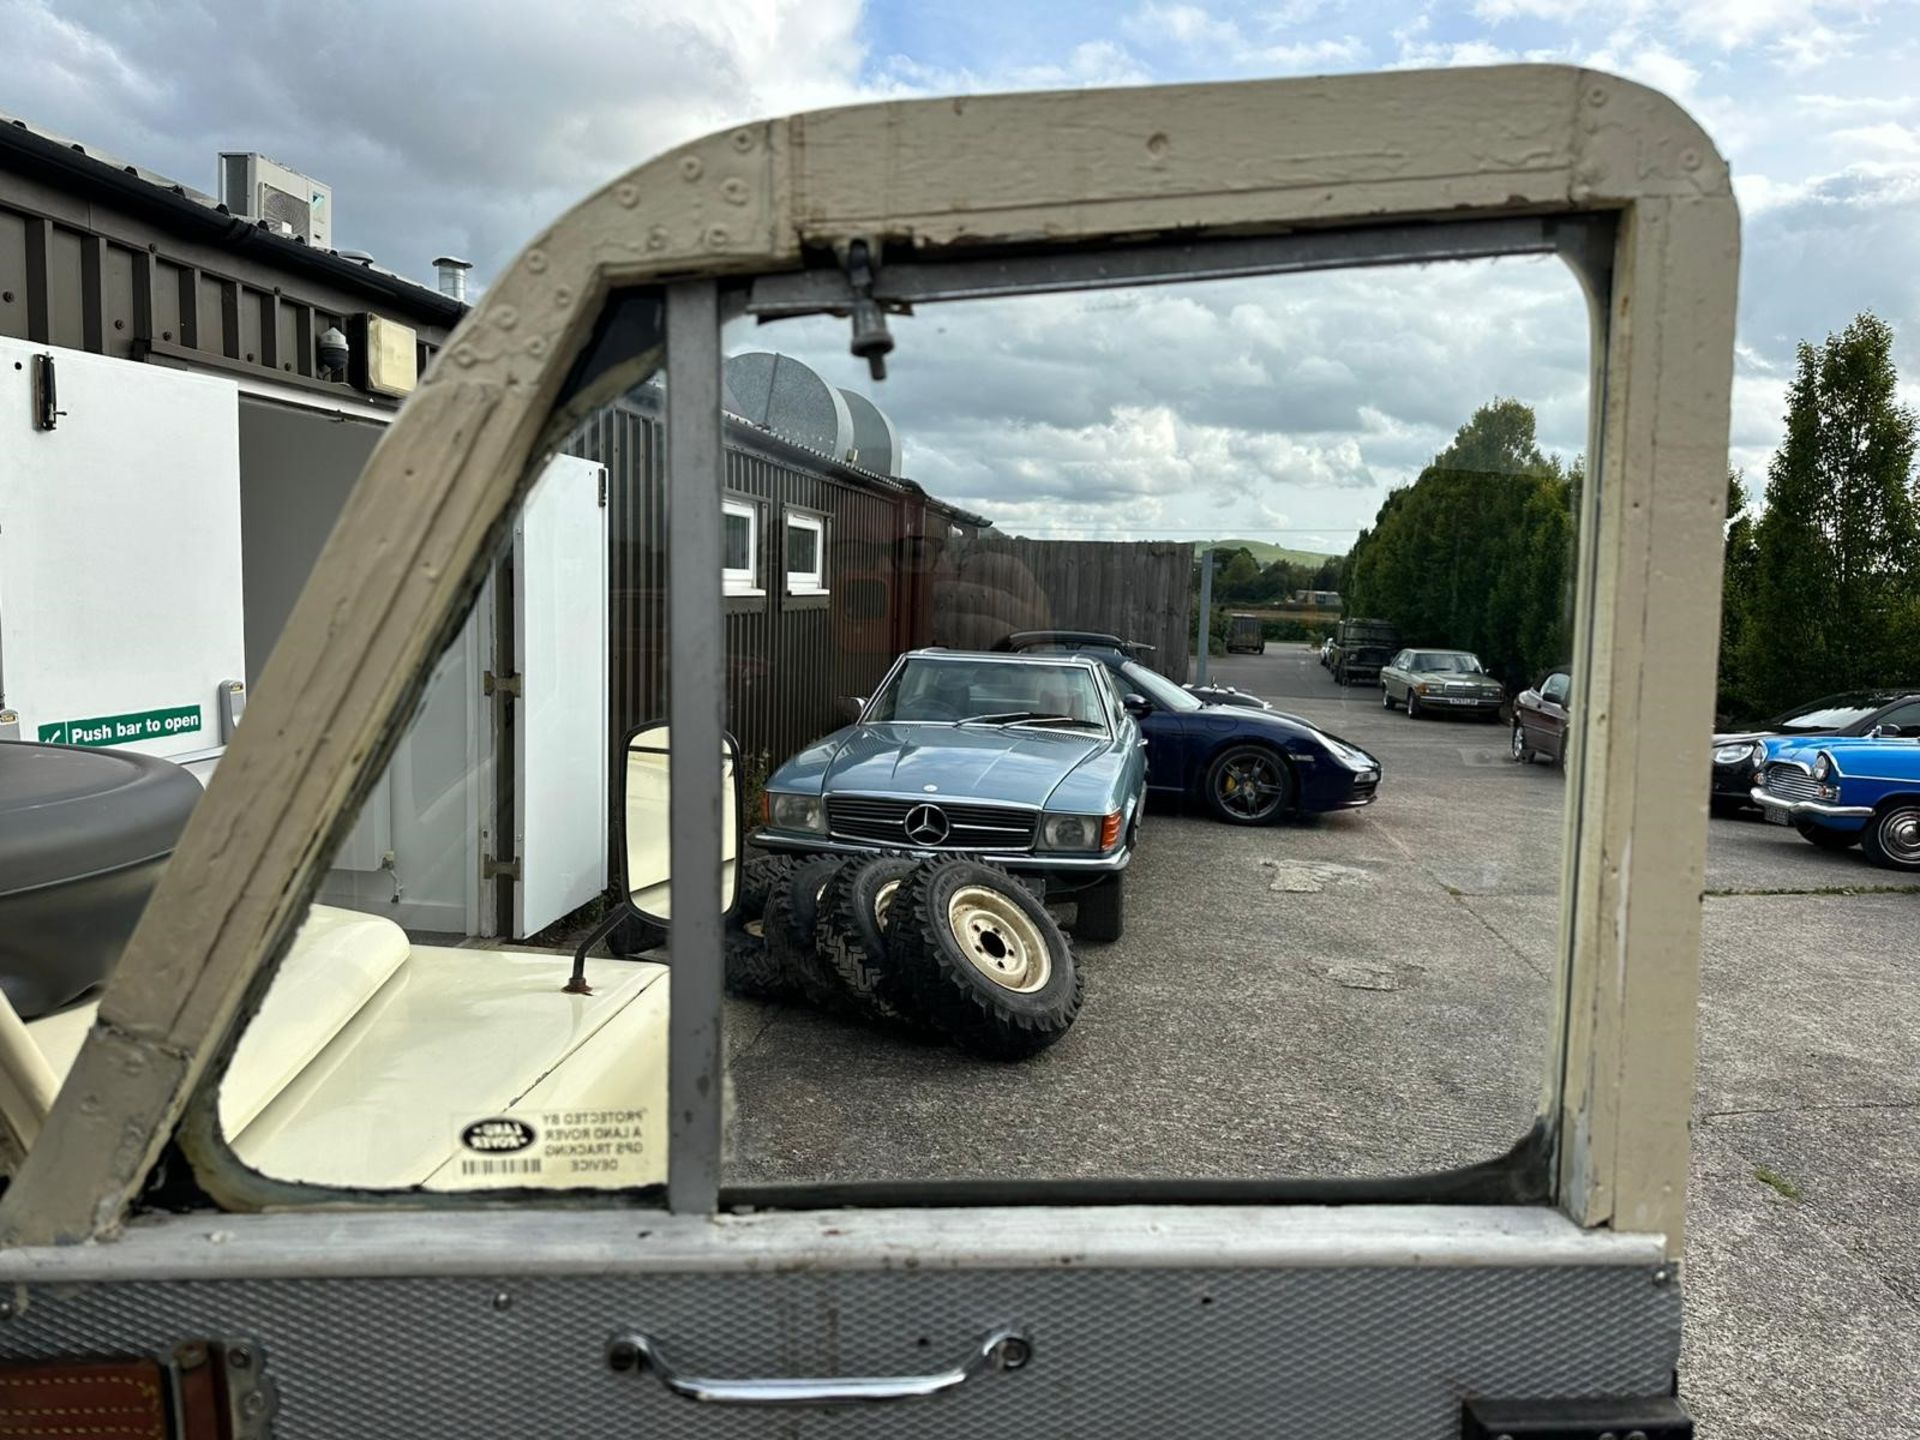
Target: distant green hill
x,y
1266,554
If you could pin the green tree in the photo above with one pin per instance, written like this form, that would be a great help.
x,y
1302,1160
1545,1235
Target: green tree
x,y
1832,599
1477,551
1736,600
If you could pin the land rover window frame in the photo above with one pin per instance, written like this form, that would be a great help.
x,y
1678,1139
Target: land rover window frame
x,y
1623,186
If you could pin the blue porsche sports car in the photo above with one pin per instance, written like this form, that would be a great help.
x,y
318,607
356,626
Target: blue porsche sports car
x,y
1247,762
1840,792
1033,761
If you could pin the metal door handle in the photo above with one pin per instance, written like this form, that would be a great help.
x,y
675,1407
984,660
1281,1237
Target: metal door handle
x,y
1003,1349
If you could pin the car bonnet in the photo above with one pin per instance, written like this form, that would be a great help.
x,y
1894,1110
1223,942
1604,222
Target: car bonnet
x,y
1019,765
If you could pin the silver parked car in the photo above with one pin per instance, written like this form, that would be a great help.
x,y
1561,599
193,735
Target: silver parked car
x,y
1428,682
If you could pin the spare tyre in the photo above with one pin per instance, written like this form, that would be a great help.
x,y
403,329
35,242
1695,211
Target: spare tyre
x,y
84,834
750,969
759,876
981,959
851,931
792,914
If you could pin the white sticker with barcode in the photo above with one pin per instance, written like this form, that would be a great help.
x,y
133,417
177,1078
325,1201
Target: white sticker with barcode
x,y
552,1149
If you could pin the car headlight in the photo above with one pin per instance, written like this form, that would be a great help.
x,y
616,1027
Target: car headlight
x,y
799,812
1823,767
1731,754
1419,687
1759,752
1080,832
1348,756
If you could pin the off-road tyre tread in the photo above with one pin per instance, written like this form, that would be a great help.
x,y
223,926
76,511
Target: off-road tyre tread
x,y
750,970
930,976
791,925
760,876
850,941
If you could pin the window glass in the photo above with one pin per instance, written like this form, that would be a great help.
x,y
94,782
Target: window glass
x,y
805,553
988,690
426,1029
1907,717
738,522
1157,688
1835,712
1556,689
1318,936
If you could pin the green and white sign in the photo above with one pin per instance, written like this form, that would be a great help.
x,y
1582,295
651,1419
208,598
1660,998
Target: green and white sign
x,y
123,729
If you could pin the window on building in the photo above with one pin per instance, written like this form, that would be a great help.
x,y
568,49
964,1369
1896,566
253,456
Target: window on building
x,y
739,544
806,555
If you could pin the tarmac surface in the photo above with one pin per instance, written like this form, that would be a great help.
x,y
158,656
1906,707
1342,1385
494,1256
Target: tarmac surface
x,y
1367,994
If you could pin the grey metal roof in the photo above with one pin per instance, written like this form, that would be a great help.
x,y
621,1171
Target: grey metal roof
x,y
171,205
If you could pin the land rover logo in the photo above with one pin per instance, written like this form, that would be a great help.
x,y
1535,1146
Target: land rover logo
x,y
926,824
501,1136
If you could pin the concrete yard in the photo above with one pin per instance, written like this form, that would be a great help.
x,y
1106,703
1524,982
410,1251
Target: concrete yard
x,y
1367,994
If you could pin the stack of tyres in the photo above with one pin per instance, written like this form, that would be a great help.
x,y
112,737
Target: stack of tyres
x,y
949,947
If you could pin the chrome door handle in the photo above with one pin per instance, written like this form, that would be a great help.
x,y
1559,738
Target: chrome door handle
x,y
1002,1349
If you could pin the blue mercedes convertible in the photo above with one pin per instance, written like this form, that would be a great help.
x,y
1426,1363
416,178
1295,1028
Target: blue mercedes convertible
x,y
1032,761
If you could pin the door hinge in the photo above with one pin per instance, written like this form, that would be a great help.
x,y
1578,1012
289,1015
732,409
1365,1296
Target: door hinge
x,y
500,869
603,487
492,684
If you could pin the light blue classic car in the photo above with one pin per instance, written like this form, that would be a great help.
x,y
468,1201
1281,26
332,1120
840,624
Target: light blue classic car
x,y
1840,792
1033,761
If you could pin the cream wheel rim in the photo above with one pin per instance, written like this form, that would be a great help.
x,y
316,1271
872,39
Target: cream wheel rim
x,y
883,902
1000,939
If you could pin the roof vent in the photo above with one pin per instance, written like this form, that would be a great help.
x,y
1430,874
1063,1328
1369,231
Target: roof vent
x,y
788,397
452,271
876,443
258,189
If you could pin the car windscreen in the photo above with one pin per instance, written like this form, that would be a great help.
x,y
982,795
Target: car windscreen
x,y
1157,688
1834,712
1445,661
933,690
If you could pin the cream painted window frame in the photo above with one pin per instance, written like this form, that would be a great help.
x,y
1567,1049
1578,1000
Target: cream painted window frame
x,y
936,178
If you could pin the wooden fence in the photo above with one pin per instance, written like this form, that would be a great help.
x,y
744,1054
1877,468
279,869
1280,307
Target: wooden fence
x,y
987,586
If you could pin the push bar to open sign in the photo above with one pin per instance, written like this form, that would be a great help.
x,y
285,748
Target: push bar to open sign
x,y
1003,1349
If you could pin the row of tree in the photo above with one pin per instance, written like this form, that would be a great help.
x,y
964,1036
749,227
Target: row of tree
x,y
1476,553
1822,584
1239,579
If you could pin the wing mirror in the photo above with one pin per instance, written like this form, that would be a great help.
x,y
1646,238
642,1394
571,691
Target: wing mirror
x,y
1137,706
1883,732
851,706
642,839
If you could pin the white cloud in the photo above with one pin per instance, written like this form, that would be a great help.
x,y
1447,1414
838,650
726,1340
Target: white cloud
x,y
1889,138
1839,107
1495,11
1187,25
1192,28
1311,54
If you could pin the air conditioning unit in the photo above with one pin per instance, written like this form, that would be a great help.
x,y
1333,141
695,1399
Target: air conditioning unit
x,y
255,188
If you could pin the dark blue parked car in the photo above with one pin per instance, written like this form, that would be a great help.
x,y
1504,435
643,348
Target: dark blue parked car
x,y
1248,765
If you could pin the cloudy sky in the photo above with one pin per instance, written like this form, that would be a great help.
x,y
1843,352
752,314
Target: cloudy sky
x,y
1280,409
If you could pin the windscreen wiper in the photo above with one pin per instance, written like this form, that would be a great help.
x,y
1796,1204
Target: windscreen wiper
x,y
1026,717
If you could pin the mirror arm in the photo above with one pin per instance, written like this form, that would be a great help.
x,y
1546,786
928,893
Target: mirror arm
x,y
577,982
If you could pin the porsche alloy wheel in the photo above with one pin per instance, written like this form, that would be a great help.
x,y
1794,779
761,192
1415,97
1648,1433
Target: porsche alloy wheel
x,y
1248,785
